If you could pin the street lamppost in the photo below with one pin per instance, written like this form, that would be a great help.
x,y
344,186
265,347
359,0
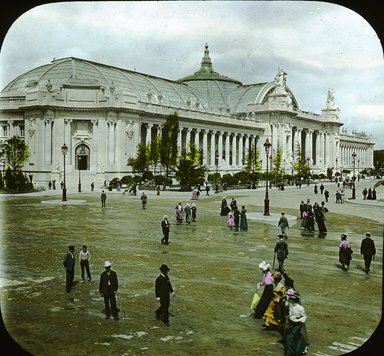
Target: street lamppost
x,y
358,170
64,151
353,178
79,168
267,146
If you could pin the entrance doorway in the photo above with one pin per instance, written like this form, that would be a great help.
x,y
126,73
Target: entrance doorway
x,y
82,157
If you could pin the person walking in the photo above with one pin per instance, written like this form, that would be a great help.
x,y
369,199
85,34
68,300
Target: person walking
x,y
243,219
84,258
326,195
92,186
187,211
345,252
179,213
103,198
163,291
274,316
69,264
143,200
158,190
266,297
283,224
108,287
296,339
236,217
194,212
281,251
165,226
368,251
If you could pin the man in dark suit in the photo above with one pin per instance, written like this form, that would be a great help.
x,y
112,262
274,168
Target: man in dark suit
x,y
108,287
165,227
368,250
163,290
69,264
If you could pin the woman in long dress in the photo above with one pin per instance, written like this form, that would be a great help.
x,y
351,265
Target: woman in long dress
x,y
266,297
243,219
345,252
274,316
231,220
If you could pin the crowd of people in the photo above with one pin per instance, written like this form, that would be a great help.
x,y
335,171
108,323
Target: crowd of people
x,y
278,302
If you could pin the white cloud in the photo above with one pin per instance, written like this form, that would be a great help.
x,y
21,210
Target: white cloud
x,y
320,45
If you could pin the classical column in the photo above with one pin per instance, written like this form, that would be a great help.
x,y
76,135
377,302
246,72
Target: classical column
x,y
234,150
220,147
205,147
48,140
227,136
241,150
95,136
148,137
187,137
68,138
180,139
111,141
197,138
246,146
308,146
213,147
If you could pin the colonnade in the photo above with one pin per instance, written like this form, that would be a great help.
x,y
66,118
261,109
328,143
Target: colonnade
x,y
363,158
224,149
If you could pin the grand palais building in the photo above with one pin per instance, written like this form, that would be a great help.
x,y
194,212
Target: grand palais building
x,y
102,113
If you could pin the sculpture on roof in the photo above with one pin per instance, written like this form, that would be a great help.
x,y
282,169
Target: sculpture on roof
x,y
280,78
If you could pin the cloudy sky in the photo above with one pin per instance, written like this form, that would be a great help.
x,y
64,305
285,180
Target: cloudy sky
x,y
320,45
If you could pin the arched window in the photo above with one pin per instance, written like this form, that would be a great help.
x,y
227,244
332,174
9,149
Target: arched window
x,y
82,157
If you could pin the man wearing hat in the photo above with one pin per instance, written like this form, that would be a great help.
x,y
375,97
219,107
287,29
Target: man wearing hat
x,y
281,251
108,287
69,264
368,250
163,290
165,226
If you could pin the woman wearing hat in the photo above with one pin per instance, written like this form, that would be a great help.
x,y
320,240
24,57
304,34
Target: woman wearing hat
x,y
345,252
163,290
274,316
266,297
108,287
296,339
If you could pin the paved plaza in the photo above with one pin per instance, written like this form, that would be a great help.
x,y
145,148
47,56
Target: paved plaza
x,y
213,269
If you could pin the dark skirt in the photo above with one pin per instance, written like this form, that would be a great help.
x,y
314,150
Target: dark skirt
x,y
264,301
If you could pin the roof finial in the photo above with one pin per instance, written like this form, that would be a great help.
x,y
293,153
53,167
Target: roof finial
x,y
206,63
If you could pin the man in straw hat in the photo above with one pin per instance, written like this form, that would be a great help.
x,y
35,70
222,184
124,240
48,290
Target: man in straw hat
x,y
108,287
163,291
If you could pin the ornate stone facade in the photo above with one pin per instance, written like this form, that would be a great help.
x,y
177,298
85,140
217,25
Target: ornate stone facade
x,y
102,113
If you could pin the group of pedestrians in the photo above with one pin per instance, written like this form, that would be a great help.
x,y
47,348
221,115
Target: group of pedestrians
x,y
236,218
310,215
280,308
109,284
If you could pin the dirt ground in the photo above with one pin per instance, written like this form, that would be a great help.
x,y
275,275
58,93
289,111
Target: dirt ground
x,y
212,268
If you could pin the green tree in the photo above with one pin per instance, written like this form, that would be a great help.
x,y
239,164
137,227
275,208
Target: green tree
x,y
141,162
301,165
168,143
188,170
15,153
154,152
277,162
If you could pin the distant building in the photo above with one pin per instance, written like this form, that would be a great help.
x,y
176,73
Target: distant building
x,y
102,113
